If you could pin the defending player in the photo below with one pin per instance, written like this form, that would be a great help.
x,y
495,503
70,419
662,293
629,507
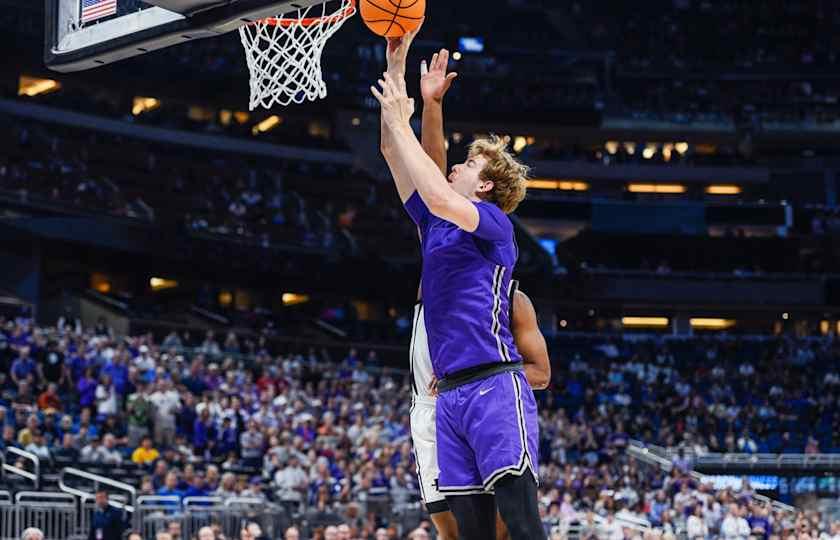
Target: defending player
x,y
486,414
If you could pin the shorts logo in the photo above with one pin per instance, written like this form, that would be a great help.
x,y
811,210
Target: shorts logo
x,y
485,390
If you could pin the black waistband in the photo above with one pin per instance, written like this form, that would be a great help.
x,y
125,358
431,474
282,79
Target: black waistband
x,y
465,376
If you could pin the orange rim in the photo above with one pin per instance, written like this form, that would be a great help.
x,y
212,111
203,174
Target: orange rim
x,y
310,21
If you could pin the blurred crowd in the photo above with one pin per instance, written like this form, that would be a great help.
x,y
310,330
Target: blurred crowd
x,y
328,438
259,202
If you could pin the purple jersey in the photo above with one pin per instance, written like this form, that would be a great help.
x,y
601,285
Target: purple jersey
x,y
466,281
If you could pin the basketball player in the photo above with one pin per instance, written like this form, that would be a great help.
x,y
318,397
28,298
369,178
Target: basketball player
x,y
486,420
531,345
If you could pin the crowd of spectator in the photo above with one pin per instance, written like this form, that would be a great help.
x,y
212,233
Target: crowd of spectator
x,y
328,438
260,202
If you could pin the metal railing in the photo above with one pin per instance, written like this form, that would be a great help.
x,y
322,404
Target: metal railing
x,y
640,451
130,492
125,501
34,475
56,514
7,516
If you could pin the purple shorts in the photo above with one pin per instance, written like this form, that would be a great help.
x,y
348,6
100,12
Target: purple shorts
x,y
486,430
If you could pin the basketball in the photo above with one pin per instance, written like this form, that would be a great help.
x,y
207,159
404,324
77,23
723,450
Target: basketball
x,y
392,18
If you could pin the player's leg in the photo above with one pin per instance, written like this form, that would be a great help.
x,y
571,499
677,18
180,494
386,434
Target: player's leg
x,y
475,515
473,509
502,415
501,528
444,522
423,435
517,500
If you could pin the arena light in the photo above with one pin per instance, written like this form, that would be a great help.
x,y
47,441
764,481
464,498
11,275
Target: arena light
x,y
667,151
681,147
722,189
144,104
159,284
456,55
33,86
656,188
267,125
611,147
645,322
701,323
241,117
100,283
519,143
630,148
225,117
563,185
650,150
292,299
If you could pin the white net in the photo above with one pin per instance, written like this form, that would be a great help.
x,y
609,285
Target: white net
x,y
284,53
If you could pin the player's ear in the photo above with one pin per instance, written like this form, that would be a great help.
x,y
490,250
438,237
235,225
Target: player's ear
x,y
485,186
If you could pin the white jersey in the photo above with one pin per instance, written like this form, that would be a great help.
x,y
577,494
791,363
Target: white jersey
x,y
419,356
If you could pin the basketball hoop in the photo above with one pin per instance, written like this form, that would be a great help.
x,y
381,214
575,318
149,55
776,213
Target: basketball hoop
x,y
284,53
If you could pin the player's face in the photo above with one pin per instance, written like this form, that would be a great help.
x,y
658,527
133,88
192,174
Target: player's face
x,y
464,177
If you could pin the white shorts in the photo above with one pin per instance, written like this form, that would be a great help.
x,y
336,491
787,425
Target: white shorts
x,y
425,451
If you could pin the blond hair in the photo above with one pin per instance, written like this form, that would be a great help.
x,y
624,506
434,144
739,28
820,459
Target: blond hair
x,y
509,176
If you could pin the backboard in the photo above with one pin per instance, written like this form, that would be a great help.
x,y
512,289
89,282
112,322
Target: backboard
x,y
85,34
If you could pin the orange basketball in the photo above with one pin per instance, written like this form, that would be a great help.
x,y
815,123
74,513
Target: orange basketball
x,y
392,18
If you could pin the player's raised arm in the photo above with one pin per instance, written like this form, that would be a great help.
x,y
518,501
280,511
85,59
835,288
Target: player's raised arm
x,y
434,83
441,200
530,342
396,52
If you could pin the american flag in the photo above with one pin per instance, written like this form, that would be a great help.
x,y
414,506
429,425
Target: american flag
x,y
96,9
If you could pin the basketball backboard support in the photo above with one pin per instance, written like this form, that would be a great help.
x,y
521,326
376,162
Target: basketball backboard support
x,y
138,27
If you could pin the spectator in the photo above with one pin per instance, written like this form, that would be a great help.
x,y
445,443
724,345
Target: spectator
x,y
145,453
166,402
696,527
108,453
174,529
67,454
139,409
87,389
206,533
91,452
252,445
107,522
23,368
292,533
734,526
32,533
106,397
292,484
170,488
39,447
49,398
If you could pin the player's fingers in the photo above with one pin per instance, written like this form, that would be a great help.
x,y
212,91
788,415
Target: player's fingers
x,y
443,59
434,61
424,68
385,92
451,76
379,97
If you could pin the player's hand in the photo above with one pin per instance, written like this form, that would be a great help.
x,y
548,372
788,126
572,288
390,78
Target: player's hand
x,y
397,107
396,51
434,81
433,386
